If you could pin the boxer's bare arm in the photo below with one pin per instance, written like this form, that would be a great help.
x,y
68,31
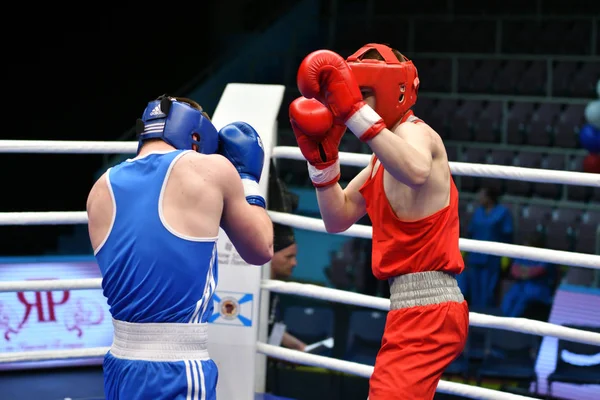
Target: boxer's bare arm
x,y
249,227
407,155
99,208
340,208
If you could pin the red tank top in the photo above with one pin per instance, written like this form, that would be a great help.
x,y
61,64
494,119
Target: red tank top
x,y
402,247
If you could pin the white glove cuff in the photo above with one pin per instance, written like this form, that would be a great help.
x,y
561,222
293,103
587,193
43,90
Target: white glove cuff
x,y
362,120
251,188
324,176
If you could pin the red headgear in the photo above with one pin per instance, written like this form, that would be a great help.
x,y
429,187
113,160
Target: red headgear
x,y
394,83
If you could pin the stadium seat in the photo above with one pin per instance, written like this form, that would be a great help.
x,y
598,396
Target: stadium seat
x,y
478,335
532,218
509,355
466,69
559,235
570,216
435,74
480,80
571,366
499,157
423,108
577,192
474,155
550,190
365,331
585,79
526,160
568,125
587,235
507,78
532,81
465,211
452,152
517,122
541,127
562,76
442,115
461,126
309,324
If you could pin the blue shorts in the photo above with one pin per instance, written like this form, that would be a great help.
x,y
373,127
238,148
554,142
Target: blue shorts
x,y
143,380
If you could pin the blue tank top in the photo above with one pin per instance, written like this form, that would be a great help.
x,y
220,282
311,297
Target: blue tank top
x,y
150,273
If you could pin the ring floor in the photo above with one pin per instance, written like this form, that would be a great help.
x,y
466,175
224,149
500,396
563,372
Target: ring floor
x,y
81,383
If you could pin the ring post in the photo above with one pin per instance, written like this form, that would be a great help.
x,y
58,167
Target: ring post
x,y
240,315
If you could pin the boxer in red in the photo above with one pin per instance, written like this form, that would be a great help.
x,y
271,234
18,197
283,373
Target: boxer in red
x,y
409,194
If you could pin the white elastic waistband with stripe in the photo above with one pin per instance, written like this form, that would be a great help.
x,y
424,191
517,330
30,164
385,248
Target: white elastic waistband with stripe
x,y
422,289
160,341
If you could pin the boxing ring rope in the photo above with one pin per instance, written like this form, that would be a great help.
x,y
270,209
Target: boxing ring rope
x,y
280,353
365,371
67,147
293,153
469,169
339,296
475,319
476,246
362,231
357,160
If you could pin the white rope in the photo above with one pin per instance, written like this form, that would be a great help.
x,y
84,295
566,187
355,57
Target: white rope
x,y
485,321
327,294
44,218
46,355
365,371
470,169
67,147
50,285
361,231
338,296
290,152
470,245
298,357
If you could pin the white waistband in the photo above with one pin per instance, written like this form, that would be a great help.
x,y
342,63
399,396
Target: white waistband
x,y
423,288
160,341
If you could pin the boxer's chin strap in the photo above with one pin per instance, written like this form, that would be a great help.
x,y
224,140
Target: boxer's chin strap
x,y
326,176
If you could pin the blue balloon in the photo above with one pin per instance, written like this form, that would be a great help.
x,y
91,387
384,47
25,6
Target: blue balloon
x,y
589,138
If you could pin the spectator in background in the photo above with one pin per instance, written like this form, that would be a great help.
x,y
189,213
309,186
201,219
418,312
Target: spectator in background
x,y
284,259
535,282
490,222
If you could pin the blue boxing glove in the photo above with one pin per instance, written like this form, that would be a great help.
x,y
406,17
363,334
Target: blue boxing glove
x,y
240,144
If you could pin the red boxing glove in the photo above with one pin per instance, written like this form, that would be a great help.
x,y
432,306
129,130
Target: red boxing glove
x,y
325,75
318,139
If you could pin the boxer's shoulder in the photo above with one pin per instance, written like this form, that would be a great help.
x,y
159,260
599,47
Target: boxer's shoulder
x,y
99,196
412,132
99,187
421,135
213,168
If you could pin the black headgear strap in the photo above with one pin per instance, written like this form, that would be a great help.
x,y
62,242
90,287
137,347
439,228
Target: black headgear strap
x,y
282,200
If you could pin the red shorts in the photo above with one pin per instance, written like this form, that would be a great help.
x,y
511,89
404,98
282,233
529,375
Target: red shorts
x,y
418,344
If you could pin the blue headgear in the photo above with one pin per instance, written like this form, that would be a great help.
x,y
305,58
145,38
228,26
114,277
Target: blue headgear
x,y
176,122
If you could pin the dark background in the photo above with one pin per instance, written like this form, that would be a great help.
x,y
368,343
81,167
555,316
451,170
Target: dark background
x,y
87,75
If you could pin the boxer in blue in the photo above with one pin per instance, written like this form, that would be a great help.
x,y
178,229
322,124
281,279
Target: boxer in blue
x,y
153,224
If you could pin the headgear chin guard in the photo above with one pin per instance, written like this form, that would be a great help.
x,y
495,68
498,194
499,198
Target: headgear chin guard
x,y
395,84
177,123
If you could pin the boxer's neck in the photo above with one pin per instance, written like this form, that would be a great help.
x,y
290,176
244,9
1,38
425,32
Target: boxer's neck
x,y
155,146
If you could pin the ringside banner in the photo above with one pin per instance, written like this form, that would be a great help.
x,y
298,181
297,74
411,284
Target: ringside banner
x,y
52,320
